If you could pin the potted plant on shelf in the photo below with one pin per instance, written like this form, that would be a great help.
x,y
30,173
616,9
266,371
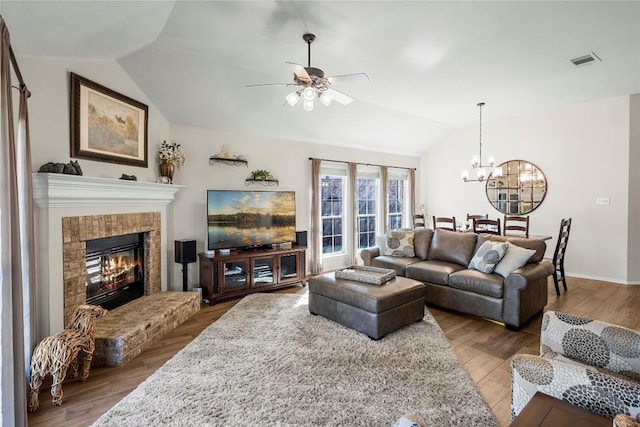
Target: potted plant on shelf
x,y
171,157
260,175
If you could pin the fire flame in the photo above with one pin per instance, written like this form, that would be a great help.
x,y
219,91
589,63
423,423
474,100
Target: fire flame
x,y
117,270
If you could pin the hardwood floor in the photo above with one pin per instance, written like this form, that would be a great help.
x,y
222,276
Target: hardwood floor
x,y
483,347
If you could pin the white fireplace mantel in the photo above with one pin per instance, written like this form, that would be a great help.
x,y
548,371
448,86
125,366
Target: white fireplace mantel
x,y
54,190
58,196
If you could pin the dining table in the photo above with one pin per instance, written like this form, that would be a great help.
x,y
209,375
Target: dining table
x,y
532,236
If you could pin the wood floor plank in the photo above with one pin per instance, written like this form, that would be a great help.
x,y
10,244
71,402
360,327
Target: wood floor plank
x,y
484,348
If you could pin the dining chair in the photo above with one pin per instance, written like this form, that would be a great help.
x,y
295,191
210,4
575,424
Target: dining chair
x,y
418,221
487,226
444,223
516,223
558,256
473,218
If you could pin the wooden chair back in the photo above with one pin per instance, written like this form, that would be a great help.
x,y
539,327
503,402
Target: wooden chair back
x,y
558,256
471,218
520,224
487,226
418,221
444,223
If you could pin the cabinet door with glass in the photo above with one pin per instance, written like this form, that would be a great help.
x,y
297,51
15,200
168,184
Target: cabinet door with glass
x,y
263,271
235,275
289,267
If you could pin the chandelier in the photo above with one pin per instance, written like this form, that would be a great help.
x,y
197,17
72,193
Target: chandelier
x,y
476,161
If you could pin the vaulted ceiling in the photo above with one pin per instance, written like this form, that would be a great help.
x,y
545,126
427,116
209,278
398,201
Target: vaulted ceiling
x,y
429,63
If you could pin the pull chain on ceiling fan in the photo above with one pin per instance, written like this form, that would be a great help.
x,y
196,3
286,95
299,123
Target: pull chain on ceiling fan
x,y
314,83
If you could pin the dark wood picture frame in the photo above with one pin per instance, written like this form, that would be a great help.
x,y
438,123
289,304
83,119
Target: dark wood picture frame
x,y
107,126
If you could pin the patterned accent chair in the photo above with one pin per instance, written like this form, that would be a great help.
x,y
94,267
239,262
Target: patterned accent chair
x,y
588,363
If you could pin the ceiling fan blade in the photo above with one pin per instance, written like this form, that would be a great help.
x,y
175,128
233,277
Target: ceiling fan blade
x,y
349,78
300,72
339,97
273,84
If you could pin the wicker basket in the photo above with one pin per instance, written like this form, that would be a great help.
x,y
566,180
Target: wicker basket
x,y
371,275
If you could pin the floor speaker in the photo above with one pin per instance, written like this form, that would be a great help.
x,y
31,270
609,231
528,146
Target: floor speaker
x,y
185,251
301,238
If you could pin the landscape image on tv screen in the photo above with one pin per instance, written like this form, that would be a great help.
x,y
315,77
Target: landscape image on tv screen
x,y
238,219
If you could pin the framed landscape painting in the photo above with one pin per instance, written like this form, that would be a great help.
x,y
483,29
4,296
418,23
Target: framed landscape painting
x,y
107,126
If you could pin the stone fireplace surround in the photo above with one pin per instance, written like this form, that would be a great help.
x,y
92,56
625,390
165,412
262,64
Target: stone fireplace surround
x,y
77,230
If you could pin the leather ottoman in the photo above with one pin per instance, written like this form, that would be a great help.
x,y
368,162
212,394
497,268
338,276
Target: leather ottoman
x,y
374,310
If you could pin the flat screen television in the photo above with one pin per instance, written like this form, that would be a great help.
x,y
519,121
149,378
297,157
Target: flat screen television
x,y
245,219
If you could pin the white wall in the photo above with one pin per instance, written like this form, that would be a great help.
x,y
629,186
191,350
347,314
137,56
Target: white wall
x,y
288,161
583,151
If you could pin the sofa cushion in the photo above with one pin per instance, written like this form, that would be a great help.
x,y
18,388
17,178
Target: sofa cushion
x,y
536,244
452,246
421,242
399,243
488,256
477,282
436,272
394,263
515,258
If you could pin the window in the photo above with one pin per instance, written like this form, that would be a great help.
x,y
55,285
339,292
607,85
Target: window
x,y
351,218
399,211
367,193
332,198
396,188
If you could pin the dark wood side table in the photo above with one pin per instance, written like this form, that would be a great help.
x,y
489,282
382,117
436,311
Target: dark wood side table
x,y
547,411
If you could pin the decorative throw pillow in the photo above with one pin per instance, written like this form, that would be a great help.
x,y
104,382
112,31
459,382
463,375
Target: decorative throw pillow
x,y
515,258
400,243
381,243
488,256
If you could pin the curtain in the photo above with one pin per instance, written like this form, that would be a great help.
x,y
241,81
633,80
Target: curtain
x,y
412,194
16,245
352,175
384,191
316,218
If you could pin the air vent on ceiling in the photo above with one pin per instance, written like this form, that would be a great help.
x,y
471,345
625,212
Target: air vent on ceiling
x,y
581,60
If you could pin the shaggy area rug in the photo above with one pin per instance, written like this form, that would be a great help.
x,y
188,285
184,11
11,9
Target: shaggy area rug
x,y
268,362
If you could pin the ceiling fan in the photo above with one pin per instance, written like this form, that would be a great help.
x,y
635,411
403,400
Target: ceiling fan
x,y
313,83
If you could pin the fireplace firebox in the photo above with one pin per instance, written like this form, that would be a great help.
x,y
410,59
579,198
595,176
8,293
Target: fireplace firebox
x,y
115,270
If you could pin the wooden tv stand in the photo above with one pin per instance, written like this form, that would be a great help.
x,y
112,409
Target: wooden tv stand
x,y
245,272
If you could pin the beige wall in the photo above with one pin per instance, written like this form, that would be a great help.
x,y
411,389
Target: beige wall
x,y
48,81
633,256
288,161
583,151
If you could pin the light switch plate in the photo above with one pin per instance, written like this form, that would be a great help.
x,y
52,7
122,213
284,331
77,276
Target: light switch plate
x,y
602,201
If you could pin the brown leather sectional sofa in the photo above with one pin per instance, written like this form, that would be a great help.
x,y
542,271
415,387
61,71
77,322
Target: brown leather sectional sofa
x,y
441,260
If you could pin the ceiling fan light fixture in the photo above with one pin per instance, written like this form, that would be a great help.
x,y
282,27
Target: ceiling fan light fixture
x,y
326,99
292,98
309,93
308,105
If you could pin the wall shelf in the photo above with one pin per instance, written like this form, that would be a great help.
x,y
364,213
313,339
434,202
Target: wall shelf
x,y
231,162
265,182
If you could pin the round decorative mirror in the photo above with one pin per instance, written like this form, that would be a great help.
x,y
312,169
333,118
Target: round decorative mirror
x,y
516,187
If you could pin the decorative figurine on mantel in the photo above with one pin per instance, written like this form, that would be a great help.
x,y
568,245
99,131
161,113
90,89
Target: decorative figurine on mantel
x,y
71,168
171,157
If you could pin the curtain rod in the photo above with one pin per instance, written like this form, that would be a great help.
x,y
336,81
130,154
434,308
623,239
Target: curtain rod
x,y
16,69
365,164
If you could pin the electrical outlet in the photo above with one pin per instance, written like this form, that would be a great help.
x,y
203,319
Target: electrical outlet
x,y
602,201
